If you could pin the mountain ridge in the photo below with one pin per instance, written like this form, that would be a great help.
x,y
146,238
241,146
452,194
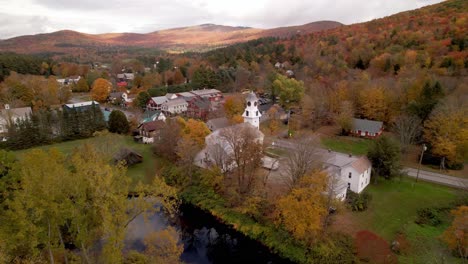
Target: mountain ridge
x,y
189,38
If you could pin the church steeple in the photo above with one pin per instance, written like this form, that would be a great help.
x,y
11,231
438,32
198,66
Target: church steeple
x,y
252,114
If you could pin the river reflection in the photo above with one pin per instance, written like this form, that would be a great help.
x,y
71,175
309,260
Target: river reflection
x,y
205,240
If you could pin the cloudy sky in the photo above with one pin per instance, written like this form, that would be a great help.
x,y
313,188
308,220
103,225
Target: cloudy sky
x,y
23,17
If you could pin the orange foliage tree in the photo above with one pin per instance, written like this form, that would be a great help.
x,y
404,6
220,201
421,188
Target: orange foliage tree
x,y
101,89
456,236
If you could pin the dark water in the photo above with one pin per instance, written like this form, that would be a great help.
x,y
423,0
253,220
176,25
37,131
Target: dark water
x,y
205,240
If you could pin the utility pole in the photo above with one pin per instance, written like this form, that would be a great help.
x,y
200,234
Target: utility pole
x,y
424,148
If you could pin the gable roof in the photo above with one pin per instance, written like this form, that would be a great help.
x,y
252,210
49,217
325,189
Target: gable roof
x,y
367,125
15,112
217,123
82,104
159,100
342,160
177,101
152,125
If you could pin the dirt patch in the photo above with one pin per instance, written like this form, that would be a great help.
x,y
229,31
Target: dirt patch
x,y
328,131
373,249
344,222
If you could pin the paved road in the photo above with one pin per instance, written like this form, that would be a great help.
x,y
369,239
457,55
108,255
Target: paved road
x,y
438,178
423,175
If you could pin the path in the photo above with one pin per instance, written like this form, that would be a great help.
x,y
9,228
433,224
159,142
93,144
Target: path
x,y
423,175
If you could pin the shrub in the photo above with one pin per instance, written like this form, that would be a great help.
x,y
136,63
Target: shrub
x,y
358,202
429,216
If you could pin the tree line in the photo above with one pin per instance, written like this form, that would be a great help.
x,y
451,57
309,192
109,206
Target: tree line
x,y
50,126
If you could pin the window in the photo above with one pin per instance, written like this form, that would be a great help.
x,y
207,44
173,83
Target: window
x,y
255,103
362,183
257,113
366,180
350,175
249,104
349,185
247,112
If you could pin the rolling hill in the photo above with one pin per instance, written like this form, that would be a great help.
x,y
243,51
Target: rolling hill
x,y
204,36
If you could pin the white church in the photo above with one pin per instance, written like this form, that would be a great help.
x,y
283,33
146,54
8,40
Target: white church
x,y
217,148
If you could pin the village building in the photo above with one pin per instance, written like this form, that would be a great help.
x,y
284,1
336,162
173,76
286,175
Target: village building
x,y
366,128
9,116
175,106
155,103
149,131
80,105
69,80
215,142
153,115
198,107
348,171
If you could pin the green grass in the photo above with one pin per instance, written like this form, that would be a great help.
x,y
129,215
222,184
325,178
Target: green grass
x,y
109,144
393,210
356,146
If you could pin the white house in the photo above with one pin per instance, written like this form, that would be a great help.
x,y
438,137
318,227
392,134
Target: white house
x,y
175,106
155,103
355,171
251,113
8,115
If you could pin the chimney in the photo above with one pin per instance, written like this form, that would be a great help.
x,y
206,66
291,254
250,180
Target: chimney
x,y
7,106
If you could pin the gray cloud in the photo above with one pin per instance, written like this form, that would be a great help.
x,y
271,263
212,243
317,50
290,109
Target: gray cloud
x,y
22,17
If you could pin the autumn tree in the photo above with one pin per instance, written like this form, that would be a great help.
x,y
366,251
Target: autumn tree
x,y
384,153
408,128
446,131
79,200
373,104
81,86
244,149
456,236
345,116
186,150
301,160
142,99
101,89
165,145
301,212
290,91
118,122
233,105
194,130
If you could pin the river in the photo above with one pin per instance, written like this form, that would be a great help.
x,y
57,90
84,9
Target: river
x,y
206,240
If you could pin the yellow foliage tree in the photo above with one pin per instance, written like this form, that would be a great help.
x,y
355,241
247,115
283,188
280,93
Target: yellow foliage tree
x,y
101,89
456,236
236,119
373,103
301,212
195,130
233,106
447,132
163,246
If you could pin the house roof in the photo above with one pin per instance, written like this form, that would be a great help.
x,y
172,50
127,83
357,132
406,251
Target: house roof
x,y
341,160
367,125
217,123
159,100
187,94
202,103
15,112
251,97
177,101
205,92
152,125
116,95
81,104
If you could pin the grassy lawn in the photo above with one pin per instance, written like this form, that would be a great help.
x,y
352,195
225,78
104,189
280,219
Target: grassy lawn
x,y
356,146
109,144
392,210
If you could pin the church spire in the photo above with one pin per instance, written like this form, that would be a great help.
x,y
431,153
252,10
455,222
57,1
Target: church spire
x,y
251,113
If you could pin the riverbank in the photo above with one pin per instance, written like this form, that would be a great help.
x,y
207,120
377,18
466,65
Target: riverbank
x,y
338,247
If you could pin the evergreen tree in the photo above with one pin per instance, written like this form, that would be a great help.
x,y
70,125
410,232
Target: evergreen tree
x,y
118,122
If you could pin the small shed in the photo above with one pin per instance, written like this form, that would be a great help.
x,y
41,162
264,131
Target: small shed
x,y
130,157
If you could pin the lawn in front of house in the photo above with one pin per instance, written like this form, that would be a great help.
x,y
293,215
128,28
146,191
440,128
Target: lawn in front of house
x,y
355,146
109,144
393,210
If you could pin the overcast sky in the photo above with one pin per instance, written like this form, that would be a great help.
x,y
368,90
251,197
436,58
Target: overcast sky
x,y
23,17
